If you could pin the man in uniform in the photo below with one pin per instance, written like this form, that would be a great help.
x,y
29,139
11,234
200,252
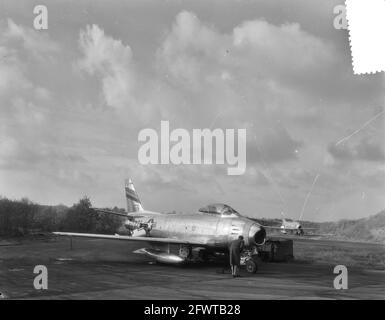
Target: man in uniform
x,y
236,248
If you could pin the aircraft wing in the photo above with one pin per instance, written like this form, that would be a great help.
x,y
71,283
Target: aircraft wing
x,y
128,238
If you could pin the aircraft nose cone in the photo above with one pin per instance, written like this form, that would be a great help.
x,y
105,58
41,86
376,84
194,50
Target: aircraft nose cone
x,y
257,234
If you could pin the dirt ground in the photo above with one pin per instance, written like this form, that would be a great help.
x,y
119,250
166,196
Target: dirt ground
x,y
97,269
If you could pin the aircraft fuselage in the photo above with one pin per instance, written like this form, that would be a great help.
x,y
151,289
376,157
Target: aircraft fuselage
x,y
214,231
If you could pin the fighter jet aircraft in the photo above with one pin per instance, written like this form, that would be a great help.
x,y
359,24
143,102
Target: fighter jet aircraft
x,y
196,236
294,227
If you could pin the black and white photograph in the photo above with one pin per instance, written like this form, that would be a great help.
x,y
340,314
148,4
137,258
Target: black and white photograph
x,y
193,150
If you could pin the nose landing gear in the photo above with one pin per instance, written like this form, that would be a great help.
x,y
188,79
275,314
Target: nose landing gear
x,y
251,266
249,260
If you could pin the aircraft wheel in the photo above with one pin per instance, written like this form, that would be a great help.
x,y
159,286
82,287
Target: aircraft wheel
x,y
251,266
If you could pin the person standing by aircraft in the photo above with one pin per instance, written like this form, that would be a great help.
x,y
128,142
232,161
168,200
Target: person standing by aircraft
x,y
236,248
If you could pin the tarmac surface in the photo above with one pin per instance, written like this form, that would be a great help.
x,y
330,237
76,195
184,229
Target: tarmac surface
x,y
97,269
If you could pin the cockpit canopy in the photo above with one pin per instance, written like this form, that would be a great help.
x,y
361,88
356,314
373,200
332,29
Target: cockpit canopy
x,y
220,209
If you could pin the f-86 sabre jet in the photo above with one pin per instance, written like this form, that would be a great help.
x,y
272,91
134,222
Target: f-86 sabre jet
x,y
195,236
293,227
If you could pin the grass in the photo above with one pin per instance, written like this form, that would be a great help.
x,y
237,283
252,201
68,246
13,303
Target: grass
x,y
370,256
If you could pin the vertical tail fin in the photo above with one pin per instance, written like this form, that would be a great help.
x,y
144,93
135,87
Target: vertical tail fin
x,y
133,201
283,217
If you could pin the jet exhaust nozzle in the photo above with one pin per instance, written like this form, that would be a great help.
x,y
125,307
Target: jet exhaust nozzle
x,y
257,235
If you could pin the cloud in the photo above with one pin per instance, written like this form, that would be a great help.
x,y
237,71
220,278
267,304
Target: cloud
x,y
21,50
284,50
40,156
112,61
190,50
255,72
12,77
24,103
364,150
194,53
8,148
25,113
37,44
274,146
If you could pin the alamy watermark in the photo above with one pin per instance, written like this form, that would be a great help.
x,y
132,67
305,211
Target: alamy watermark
x,y
340,281
197,147
40,22
40,282
340,21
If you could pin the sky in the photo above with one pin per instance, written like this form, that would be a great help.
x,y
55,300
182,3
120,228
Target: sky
x,y
74,97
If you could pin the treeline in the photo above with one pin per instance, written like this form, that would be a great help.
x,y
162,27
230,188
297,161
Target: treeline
x,y
23,217
371,228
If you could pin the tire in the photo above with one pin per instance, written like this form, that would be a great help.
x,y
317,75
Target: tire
x,y
251,266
